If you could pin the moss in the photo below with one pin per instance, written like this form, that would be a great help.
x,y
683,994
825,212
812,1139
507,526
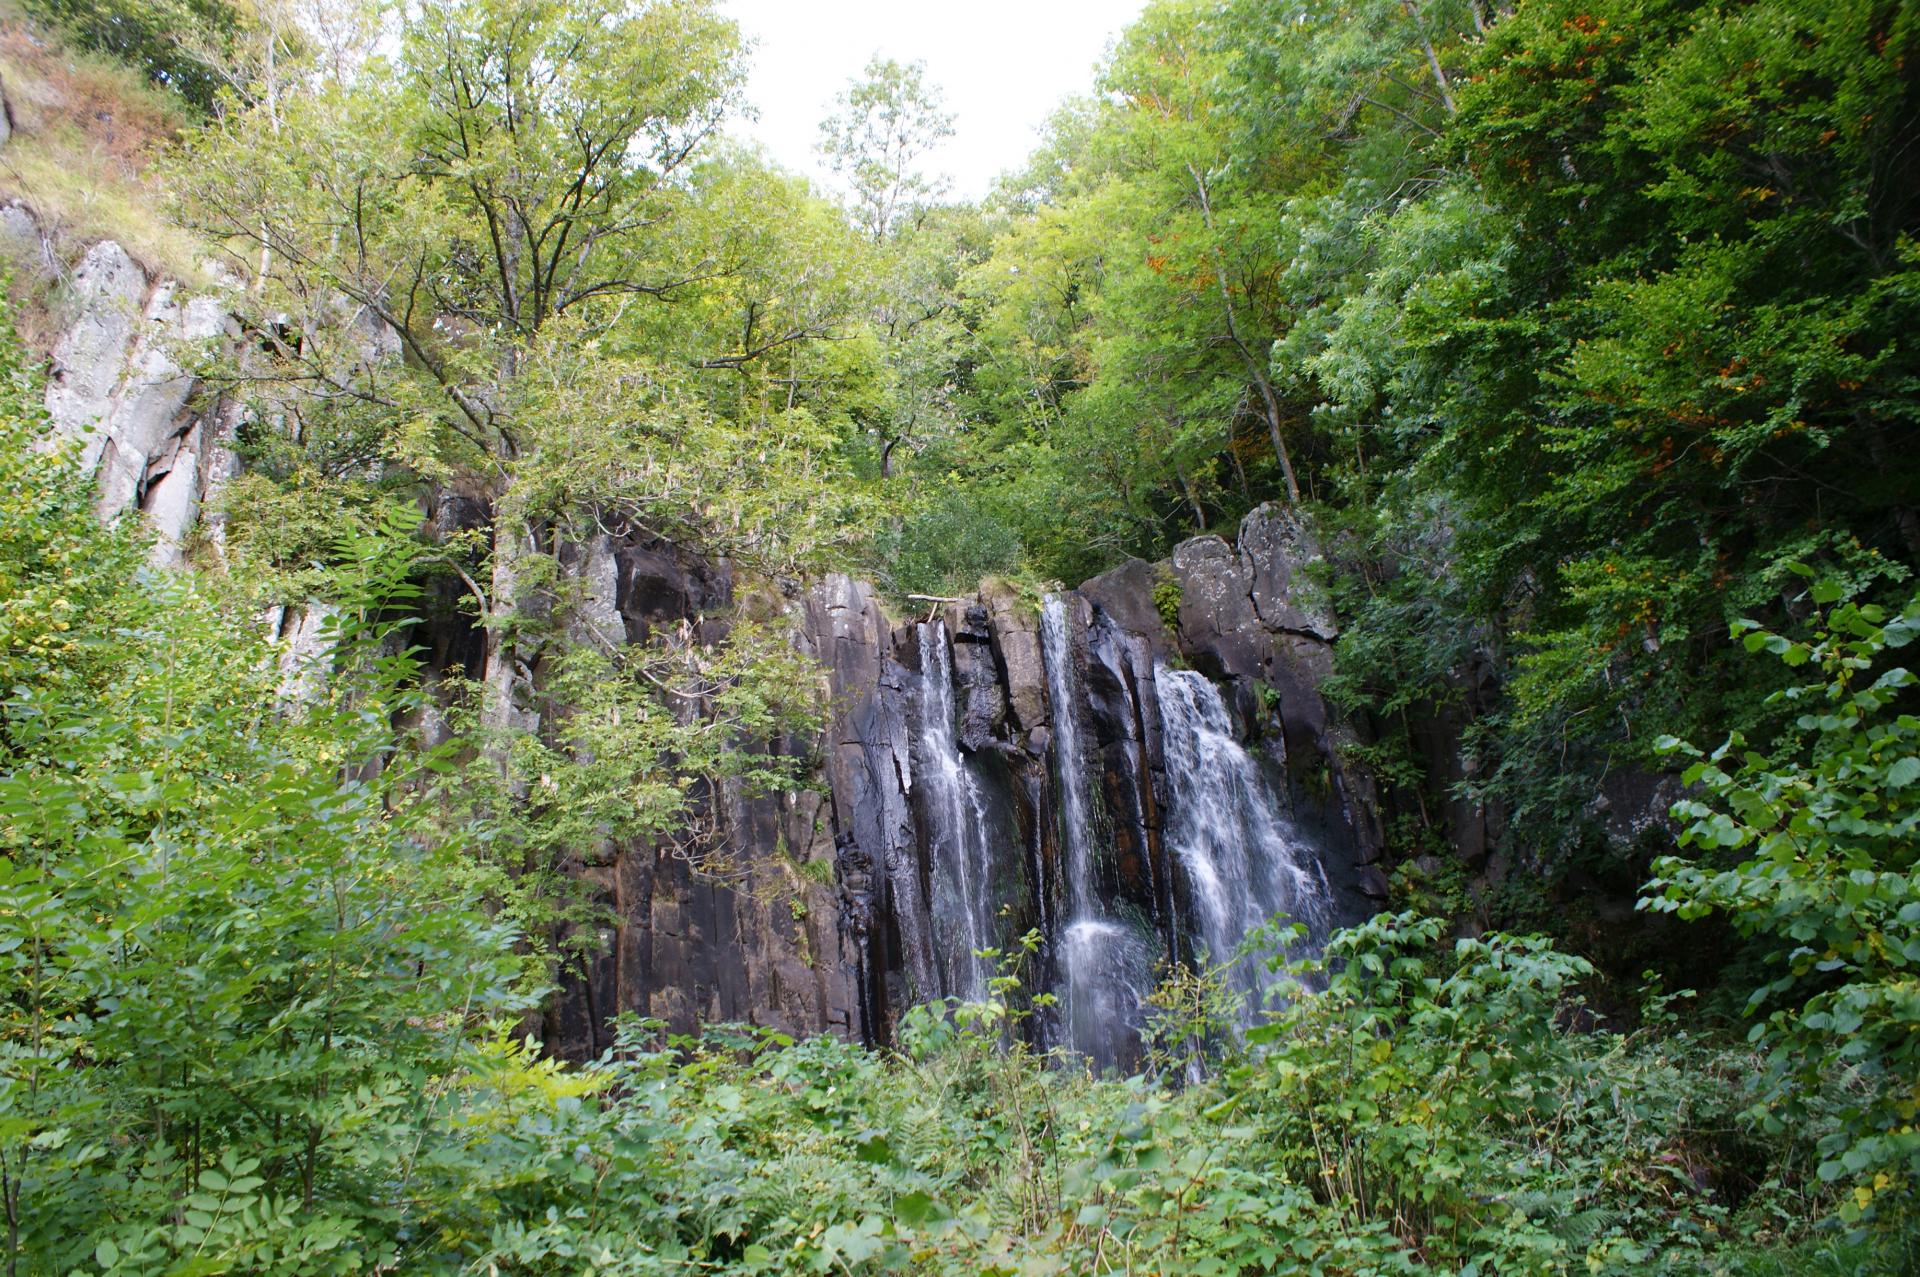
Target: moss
x,y
819,872
1028,588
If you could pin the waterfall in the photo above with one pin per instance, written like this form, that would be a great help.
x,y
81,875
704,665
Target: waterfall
x,y
1105,966
1241,864
1069,760
960,860
1238,861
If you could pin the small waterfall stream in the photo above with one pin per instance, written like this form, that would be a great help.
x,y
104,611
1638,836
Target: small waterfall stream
x,y
961,866
1240,861
1105,966
1069,760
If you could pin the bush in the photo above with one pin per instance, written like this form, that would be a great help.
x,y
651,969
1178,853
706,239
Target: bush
x,y
1825,826
948,545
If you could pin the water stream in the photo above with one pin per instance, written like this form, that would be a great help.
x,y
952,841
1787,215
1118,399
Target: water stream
x,y
1105,965
1241,862
1238,860
961,864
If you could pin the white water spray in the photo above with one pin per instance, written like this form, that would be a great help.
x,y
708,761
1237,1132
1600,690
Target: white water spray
x,y
962,864
1241,862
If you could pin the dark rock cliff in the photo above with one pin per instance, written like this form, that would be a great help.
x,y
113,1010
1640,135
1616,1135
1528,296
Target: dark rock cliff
x,y
938,821
837,910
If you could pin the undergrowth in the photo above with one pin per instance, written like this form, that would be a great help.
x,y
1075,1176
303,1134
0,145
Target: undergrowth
x,y
1431,1110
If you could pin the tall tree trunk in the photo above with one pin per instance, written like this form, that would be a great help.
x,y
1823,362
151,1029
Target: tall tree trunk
x,y
1269,399
512,542
1193,498
1433,57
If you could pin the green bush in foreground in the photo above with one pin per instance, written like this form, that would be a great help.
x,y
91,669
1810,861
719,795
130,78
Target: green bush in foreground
x,y
1434,1109
1828,825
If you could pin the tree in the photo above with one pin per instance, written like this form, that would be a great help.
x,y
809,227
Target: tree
x,y
513,168
236,982
183,45
886,122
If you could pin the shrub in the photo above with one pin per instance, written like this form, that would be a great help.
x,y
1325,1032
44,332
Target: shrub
x,y
1825,826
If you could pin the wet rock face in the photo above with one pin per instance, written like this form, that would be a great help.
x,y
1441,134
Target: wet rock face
x,y
980,691
761,945
1126,595
1253,618
868,769
1015,635
1246,618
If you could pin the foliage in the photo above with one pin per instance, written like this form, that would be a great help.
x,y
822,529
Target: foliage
x,y
651,740
949,544
152,35
1578,324
247,992
1166,600
1826,822
498,254
1428,1110
235,978
1574,323
460,249
884,123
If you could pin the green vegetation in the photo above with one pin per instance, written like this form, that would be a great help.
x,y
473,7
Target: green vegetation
x,y
185,46
86,133
1166,600
1829,821
232,968
1581,332
1574,324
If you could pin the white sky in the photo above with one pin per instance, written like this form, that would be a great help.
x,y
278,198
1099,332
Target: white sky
x,y
1003,66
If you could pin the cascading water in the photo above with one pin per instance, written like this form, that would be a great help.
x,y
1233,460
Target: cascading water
x,y
1105,967
1224,830
1069,761
957,840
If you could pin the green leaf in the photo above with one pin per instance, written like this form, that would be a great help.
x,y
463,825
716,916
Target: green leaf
x,y
915,1208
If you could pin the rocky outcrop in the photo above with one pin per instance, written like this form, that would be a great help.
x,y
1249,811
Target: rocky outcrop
x,y
764,918
835,907
1251,616
120,385
785,943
